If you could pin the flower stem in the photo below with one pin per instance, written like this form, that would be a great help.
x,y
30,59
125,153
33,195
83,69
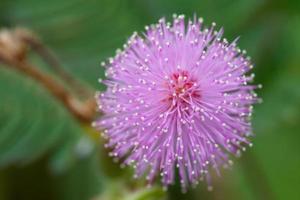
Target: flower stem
x,y
82,111
52,60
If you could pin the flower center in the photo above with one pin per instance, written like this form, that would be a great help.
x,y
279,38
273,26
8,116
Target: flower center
x,y
182,87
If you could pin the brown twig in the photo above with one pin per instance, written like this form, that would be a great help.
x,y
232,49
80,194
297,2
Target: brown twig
x,y
82,111
13,54
52,60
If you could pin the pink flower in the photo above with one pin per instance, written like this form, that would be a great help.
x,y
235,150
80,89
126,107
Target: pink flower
x,y
177,97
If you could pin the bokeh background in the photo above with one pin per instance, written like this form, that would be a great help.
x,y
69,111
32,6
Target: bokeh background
x,y
46,154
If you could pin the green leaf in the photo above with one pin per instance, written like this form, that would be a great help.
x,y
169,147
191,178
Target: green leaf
x,y
33,122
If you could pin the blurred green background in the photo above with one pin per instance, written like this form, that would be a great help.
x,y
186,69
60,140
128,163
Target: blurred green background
x,y
46,154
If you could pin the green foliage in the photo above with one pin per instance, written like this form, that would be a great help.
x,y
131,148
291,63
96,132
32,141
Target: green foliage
x,y
34,125
43,147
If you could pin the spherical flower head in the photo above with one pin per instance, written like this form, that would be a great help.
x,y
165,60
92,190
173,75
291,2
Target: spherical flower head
x,y
177,100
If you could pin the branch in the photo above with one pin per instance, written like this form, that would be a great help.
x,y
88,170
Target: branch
x,y
13,54
51,59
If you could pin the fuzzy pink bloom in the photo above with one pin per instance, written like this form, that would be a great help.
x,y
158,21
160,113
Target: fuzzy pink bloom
x,y
177,97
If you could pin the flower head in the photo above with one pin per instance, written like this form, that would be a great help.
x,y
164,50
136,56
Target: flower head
x,y
177,97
